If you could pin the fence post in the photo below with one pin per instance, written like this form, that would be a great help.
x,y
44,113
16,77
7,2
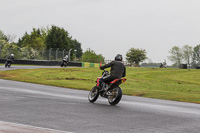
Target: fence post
x,y
42,53
35,55
27,53
56,53
69,54
50,53
63,53
75,54
18,53
0,52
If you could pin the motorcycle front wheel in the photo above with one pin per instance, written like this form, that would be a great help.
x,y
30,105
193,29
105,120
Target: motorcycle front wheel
x,y
93,95
115,97
6,64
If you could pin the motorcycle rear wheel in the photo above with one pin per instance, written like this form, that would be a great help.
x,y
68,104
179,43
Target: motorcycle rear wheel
x,y
93,95
116,96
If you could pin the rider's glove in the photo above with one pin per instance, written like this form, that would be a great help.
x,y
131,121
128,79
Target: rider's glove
x,y
101,67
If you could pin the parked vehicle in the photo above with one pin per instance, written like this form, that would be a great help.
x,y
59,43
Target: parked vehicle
x,y
111,90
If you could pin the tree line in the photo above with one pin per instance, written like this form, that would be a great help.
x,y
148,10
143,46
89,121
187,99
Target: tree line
x,y
56,38
185,55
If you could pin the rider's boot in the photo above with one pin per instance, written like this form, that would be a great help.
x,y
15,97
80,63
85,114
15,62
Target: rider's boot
x,y
101,85
108,93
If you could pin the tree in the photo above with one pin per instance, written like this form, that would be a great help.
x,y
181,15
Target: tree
x,y
187,54
9,48
196,56
135,56
35,40
11,38
90,56
3,36
176,55
57,38
77,46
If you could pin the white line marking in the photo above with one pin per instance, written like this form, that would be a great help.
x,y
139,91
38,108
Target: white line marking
x,y
22,126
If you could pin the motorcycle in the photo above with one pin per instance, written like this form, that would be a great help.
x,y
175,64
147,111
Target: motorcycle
x,y
8,63
162,65
111,90
64,63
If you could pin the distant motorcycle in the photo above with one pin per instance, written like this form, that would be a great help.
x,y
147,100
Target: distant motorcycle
x,y
111,90
162,65
64,62
8,63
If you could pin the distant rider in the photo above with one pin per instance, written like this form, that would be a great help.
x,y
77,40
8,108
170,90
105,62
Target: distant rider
x,y
163,64
11,57
117,71
65,58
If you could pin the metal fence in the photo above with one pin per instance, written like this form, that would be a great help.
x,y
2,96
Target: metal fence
x,y
34,54
51,55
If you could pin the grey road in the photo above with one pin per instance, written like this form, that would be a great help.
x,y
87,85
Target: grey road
x,y
68,110
3,68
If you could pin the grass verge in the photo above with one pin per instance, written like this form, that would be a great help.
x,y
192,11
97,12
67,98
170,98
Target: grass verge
x,y
170,84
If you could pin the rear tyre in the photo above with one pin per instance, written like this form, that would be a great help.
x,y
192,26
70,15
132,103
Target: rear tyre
x,y
116,96
93,95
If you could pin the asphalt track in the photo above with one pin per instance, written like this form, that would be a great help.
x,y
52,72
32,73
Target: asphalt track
x,y
31,107
2,68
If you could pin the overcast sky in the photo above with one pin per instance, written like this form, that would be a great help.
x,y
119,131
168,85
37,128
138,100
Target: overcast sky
x,y
110,27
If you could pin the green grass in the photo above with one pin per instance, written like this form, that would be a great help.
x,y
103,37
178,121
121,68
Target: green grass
x,y
170,83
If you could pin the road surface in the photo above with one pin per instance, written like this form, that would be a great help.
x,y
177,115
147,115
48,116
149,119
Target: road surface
x,y
3,68
25,106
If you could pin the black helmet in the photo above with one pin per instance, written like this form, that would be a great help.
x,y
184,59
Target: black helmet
x,y
118,57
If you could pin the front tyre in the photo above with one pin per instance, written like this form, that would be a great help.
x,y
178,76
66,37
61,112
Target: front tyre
x,y
6,64
93,95
116,96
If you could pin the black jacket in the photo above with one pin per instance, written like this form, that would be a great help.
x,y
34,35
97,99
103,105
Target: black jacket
x,y
118,70
11,58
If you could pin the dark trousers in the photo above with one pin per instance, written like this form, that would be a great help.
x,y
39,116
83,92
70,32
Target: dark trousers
x,y
107,79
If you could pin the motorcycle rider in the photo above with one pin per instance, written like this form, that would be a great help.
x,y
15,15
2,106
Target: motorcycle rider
x,y
9,60
11,57
117,71
163,64
65,58
64,61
